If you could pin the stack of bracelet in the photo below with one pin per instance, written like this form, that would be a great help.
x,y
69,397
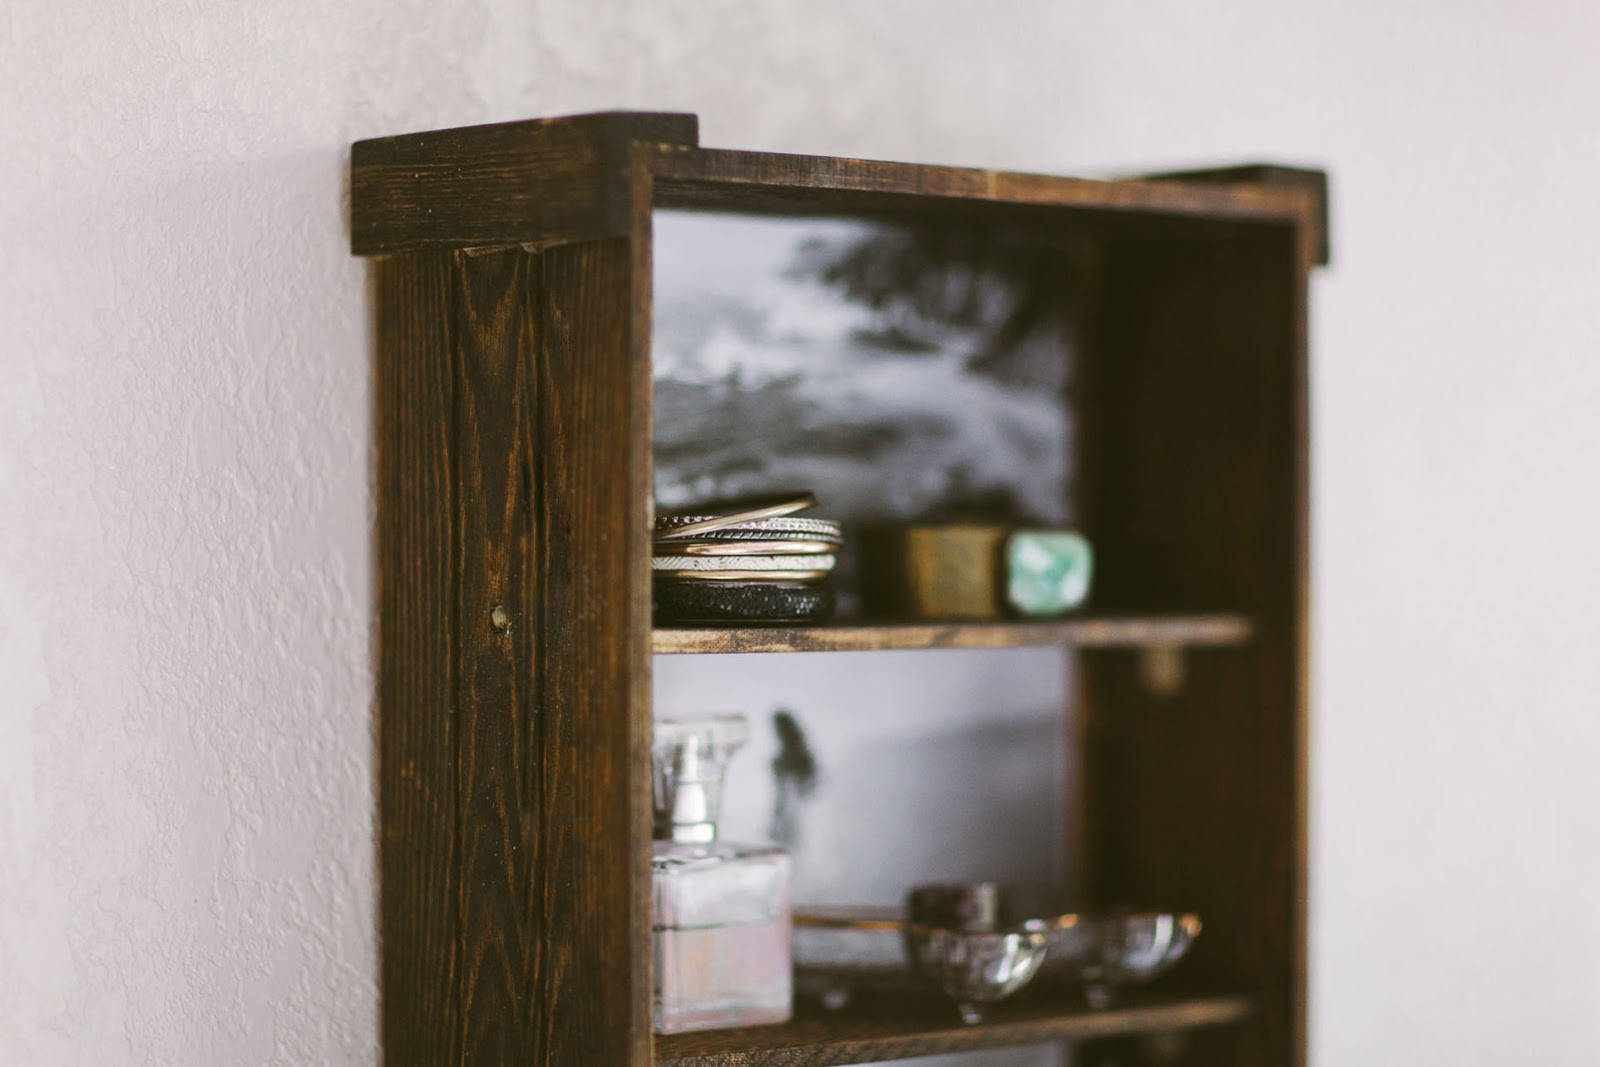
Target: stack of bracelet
x,y
745,561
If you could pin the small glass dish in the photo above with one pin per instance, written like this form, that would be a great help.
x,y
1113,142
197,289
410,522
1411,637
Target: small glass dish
x,y
1109,952
976,967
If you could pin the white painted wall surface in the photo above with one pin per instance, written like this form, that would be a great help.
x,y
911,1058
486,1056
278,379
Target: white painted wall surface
x,y
186,857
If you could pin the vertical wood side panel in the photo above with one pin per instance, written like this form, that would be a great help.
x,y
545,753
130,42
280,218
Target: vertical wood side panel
x,y
593,625
495,403
1311,250
1197,503
641,486
416,590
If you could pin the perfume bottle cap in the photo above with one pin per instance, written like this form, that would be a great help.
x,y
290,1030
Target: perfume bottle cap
x,y
689,758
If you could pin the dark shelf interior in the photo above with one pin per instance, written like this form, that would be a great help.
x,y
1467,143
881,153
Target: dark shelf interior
x,y
816,1038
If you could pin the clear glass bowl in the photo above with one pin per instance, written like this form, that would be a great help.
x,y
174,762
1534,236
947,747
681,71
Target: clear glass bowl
x,y
1107,952
838,951
975,968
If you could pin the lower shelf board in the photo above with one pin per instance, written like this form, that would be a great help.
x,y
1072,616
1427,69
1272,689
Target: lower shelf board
x,y
1084,631
816,1038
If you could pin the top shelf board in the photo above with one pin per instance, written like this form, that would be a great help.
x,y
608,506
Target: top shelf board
x,y
729,180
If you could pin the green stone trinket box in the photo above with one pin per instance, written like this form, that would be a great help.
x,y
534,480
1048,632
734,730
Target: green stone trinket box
x,y
1047,571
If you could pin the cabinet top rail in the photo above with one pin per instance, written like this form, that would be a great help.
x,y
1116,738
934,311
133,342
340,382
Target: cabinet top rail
x,y
581,177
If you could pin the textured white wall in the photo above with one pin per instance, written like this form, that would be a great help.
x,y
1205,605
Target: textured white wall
x,y
185,562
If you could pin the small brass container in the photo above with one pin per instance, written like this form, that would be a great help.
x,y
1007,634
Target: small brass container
x,y
946,571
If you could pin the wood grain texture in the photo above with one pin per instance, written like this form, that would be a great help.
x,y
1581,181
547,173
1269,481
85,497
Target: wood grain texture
x,y
1088,632
532,182
514,694
419,883
499,753
593,664
1193,452
817,1039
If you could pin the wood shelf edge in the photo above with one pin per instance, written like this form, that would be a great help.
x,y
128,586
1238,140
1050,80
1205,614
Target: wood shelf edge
x,y
1104,631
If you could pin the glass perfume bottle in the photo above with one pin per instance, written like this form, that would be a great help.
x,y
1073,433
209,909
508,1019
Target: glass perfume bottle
x,y
721,910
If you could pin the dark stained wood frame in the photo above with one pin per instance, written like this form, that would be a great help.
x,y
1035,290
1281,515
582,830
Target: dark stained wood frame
x,y
512,292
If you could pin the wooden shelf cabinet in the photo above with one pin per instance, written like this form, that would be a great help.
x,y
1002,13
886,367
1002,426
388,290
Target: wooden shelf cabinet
x,y
512,286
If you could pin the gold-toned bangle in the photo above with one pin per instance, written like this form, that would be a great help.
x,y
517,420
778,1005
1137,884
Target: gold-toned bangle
x,y
751,509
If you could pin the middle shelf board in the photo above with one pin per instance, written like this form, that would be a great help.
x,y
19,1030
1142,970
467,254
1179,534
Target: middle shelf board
x,y
1102,631
815,1038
